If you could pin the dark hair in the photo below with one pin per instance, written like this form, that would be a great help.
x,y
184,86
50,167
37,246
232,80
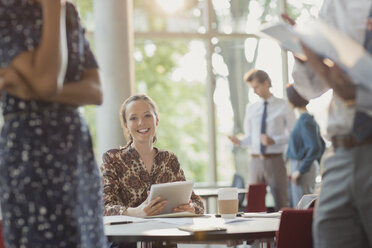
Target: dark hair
x,y
123,109
295,98
260,75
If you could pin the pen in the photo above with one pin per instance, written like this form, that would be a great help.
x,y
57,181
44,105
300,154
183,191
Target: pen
x,y
120,223
237,215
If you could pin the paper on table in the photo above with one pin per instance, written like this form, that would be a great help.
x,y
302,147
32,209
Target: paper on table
x,y
175,215
235,220
175,221
327,42
262,215
107,220
197,228
211,224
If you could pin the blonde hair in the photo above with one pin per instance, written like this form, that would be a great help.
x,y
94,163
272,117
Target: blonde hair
x,y
123,119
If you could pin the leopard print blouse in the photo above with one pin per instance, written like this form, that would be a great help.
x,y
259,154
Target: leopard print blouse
x,y
126,181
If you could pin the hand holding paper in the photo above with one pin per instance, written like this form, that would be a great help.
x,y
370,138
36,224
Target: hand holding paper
x,y
337,79
339,60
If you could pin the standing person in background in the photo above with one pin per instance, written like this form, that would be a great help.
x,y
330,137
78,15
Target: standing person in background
x,y
268,124
49,182
305,148
343,217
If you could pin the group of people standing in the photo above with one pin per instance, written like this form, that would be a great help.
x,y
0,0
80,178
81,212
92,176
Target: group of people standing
x,y
270,126
50,186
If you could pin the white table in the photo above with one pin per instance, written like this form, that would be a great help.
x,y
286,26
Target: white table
x,y
250,229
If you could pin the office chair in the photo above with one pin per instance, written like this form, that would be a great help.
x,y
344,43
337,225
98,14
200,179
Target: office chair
x,y
295,229
1,235
256,197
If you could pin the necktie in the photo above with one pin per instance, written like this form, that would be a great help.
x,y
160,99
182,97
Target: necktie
x,y
263,126
362,127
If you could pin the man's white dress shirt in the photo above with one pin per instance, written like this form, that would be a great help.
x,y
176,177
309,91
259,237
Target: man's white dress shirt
x,y
280,120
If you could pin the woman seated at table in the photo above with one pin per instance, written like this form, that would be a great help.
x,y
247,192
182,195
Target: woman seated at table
x,y
129,172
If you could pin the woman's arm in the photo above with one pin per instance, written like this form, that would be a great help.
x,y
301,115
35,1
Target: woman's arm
x,y
43,68
83,92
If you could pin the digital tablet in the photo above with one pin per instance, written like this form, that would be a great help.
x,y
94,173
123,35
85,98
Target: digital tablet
x,y
176,193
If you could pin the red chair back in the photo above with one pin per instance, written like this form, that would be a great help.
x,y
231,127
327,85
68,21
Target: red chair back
x,y
295,229
1,235
256,197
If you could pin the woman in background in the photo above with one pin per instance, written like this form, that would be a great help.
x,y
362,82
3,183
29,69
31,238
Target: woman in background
x,y
129,172
49,182
305,148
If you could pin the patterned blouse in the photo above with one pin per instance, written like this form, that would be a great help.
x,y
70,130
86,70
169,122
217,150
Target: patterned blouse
x,y
126,181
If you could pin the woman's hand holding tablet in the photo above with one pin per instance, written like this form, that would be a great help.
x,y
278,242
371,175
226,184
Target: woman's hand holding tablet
x,y
177,195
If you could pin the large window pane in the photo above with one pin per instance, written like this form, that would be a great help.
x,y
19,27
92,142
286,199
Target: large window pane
x,y
243,16
230,97
302,10
231,60
168,15
173,73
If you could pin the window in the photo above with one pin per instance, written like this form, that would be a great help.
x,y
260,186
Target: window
x,y
190,57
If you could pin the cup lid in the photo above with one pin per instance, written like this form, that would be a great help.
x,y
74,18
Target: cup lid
x,y
227,193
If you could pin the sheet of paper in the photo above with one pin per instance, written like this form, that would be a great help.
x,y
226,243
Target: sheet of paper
x,y
197,228
176,221
326,41
282,34
236,220
263,215
176,215
121,219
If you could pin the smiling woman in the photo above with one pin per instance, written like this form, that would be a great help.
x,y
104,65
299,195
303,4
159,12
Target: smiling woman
x,y
129,172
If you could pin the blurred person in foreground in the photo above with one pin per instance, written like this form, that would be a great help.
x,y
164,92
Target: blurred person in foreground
x,y
50,187
343,216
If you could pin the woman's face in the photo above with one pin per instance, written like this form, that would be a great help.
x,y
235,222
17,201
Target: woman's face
x,y
141,121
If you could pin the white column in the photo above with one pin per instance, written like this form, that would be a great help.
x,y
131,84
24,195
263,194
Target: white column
x,y
283,9
114,49
211,85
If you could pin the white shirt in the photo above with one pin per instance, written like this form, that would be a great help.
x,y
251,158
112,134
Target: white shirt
x,y
280,120
350,17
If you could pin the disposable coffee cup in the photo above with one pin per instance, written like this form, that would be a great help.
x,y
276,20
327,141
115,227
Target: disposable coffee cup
x,y
228,202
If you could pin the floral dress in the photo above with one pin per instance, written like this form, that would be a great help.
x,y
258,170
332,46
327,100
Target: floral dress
x,y
126,181
50,187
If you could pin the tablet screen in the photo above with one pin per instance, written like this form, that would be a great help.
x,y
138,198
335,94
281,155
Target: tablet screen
x,y
176,193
